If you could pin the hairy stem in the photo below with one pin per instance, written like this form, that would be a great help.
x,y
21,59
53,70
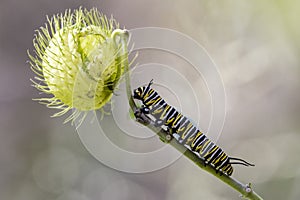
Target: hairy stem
x,y
245,190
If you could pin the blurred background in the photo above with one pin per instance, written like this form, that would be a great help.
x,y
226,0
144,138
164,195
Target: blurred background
x,y
256,46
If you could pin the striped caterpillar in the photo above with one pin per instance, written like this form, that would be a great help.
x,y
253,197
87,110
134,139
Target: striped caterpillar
x,y
184,131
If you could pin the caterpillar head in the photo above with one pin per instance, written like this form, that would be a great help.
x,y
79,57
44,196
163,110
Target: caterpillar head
x,y
140,92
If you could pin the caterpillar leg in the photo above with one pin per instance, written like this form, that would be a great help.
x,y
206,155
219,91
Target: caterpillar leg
x,y
169,130
205,163
168,137
137,114
145,110
217,171
158,122
141,116
170,133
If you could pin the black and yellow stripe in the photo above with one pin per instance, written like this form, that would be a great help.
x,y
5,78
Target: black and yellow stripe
x,y
184,131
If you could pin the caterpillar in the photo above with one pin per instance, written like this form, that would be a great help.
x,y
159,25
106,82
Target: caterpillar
x,y
184,131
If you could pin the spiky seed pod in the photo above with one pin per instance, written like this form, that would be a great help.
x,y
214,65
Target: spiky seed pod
x,y
77,62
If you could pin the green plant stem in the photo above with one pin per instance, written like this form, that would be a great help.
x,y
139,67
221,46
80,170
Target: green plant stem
x,y
123,57
244,189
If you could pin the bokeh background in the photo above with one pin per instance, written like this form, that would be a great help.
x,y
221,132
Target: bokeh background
x,y
256,46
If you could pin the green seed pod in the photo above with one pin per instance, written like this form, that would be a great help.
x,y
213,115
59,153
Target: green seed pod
x,y
77,61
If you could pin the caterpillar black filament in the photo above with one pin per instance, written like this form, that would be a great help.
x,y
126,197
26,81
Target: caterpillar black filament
x,y
184,131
